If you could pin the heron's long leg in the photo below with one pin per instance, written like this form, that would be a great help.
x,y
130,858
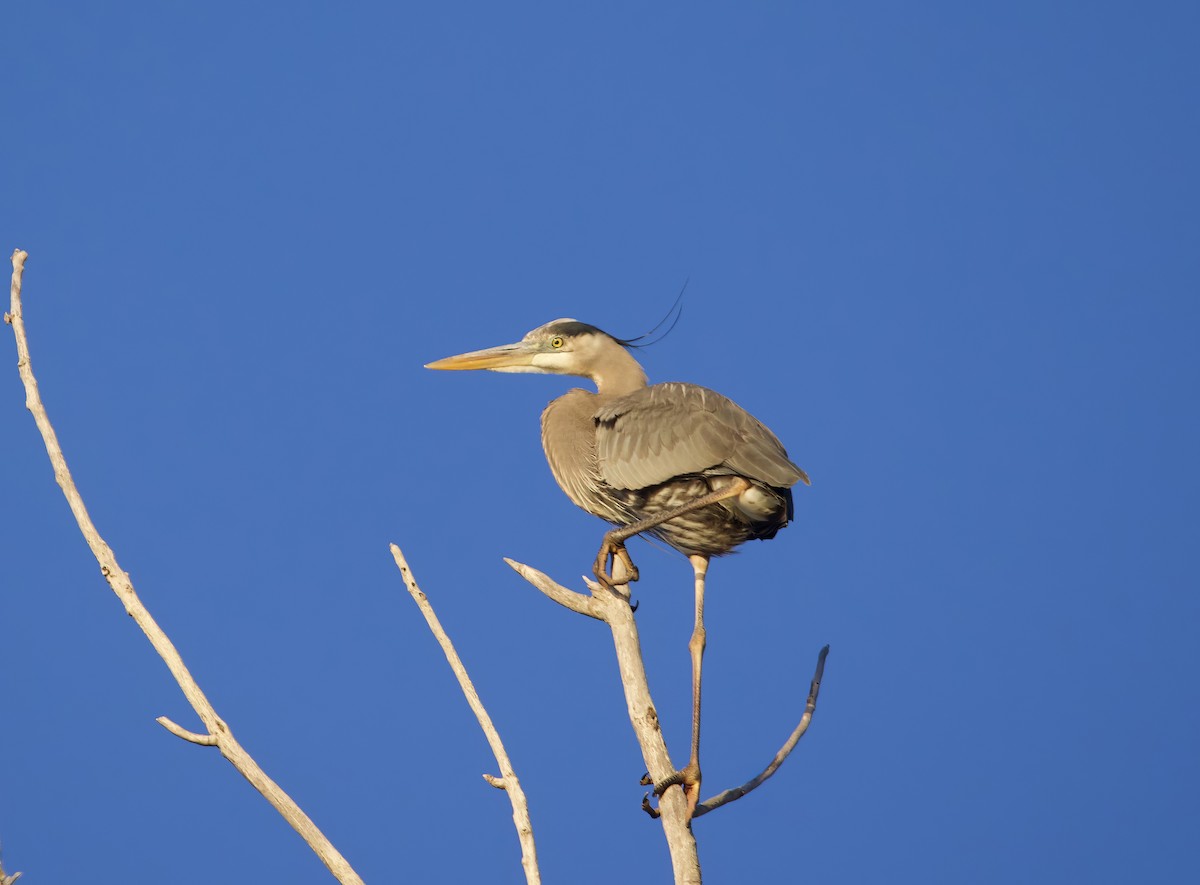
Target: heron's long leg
x,y
689,776
696,646
614,541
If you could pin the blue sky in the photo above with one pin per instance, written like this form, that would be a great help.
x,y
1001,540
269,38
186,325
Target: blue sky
x,y
948,253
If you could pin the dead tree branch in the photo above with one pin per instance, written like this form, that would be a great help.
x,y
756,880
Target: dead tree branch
x,y
218,733
576,602
508,778
790,744
611,605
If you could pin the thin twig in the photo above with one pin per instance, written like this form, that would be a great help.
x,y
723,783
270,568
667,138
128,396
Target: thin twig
x,y
204,740
218,732
576,602
790,744
508,778
613,608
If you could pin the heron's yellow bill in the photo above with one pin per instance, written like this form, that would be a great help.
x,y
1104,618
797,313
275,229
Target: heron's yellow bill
x,y
503,357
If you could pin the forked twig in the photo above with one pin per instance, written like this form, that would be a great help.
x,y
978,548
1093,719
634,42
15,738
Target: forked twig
x,y
611,605
508,778
613,608
790,744
218,733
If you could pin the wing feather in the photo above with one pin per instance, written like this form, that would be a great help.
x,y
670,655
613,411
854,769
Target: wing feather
x,y
674,429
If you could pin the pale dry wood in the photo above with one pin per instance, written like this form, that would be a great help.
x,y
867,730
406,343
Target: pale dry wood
x,y
217,730
810,707
204,740
611,605
576,602
508,777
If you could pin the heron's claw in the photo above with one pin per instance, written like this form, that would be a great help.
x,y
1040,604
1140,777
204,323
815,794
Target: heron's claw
x,y
645,780
688,778
611,551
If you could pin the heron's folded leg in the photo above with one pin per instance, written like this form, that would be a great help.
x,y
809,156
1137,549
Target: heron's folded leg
x,y
614,540
602,568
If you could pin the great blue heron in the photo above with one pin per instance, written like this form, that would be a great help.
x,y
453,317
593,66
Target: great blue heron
x,y
677,461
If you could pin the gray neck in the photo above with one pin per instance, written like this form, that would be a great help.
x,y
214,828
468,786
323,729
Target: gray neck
x,y
618,373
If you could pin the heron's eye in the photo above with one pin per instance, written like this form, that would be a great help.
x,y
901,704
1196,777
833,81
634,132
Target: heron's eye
x,y
556,341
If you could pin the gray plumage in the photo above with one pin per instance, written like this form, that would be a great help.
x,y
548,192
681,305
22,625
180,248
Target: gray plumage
x,y
631,451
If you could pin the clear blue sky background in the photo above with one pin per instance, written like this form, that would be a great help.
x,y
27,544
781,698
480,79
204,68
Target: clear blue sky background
x,y
947,251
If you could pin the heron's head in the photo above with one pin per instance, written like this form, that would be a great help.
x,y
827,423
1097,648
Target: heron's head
x,y
561,347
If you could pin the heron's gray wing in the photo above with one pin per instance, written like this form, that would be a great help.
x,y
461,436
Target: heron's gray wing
x,y
668,430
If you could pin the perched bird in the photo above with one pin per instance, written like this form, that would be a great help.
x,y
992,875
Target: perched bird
x,y
676,461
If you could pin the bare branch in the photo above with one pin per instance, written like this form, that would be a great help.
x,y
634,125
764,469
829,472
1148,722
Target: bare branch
x,y
576,602
790,744
612,607
122,586
508,778
204,740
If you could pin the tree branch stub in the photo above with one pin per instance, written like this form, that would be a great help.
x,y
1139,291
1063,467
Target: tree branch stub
x,y
204,740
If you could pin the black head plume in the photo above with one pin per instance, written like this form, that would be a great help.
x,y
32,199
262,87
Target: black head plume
x,y
676,310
